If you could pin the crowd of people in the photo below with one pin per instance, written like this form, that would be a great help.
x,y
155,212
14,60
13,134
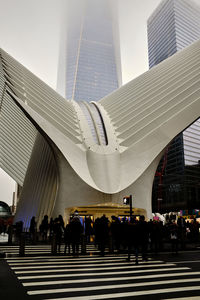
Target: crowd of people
x,y
126,234
130,235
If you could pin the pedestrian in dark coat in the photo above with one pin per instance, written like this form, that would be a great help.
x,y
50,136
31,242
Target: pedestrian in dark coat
x,y
67,238
115,228
133,238
44,227
60,218
143,230
88,228
32,229
58,231
76,232
102,232
173,230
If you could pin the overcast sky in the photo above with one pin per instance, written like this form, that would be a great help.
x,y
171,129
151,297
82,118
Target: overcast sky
x,y
30,32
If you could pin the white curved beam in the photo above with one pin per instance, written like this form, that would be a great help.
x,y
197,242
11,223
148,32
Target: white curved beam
x,y
140,118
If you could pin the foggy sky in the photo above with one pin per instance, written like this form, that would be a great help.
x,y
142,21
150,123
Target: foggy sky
x,y
30,32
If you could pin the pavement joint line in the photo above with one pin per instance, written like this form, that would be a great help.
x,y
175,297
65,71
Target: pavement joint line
x,y
101,263
185,262
42,246
103,273
113,286
129,294
170,275
71,258
143,265
81,257
41,283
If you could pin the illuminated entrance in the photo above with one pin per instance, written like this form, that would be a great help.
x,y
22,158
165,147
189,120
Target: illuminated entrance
x,y
108,209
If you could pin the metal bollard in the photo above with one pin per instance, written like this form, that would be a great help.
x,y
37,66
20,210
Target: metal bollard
x,y
22,244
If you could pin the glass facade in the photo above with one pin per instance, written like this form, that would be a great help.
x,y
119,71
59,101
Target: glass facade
x,y
4,209
92,67
174,25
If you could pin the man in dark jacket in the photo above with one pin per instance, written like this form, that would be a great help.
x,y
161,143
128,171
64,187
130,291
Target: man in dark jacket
x,y
76,231
132,237
144,236
102,233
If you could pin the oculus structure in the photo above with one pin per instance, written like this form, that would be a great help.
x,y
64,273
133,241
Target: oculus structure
x,y
69,154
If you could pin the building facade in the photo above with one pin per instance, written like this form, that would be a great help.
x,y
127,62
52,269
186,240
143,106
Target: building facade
x,y
121,160
174,25
89,62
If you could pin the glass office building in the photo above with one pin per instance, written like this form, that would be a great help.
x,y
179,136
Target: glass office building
x,y
174,25
90,66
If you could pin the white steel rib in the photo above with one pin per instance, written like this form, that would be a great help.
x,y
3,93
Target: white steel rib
x,y
110,144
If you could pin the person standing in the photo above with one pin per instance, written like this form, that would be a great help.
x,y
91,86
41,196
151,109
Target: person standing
x,y
57,231
173,231
103,233
44,227
76,231
67,238
132,236
88,228
143,231
32,230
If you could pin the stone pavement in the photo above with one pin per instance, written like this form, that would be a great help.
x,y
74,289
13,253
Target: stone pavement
x,y
41,276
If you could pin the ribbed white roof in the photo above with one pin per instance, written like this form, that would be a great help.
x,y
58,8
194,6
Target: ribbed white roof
x,y
139,120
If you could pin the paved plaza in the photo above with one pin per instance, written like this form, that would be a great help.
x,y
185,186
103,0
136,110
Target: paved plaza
x,y
38,275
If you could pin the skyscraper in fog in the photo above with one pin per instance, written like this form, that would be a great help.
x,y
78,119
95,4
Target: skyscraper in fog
x,y
89,63
174,25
